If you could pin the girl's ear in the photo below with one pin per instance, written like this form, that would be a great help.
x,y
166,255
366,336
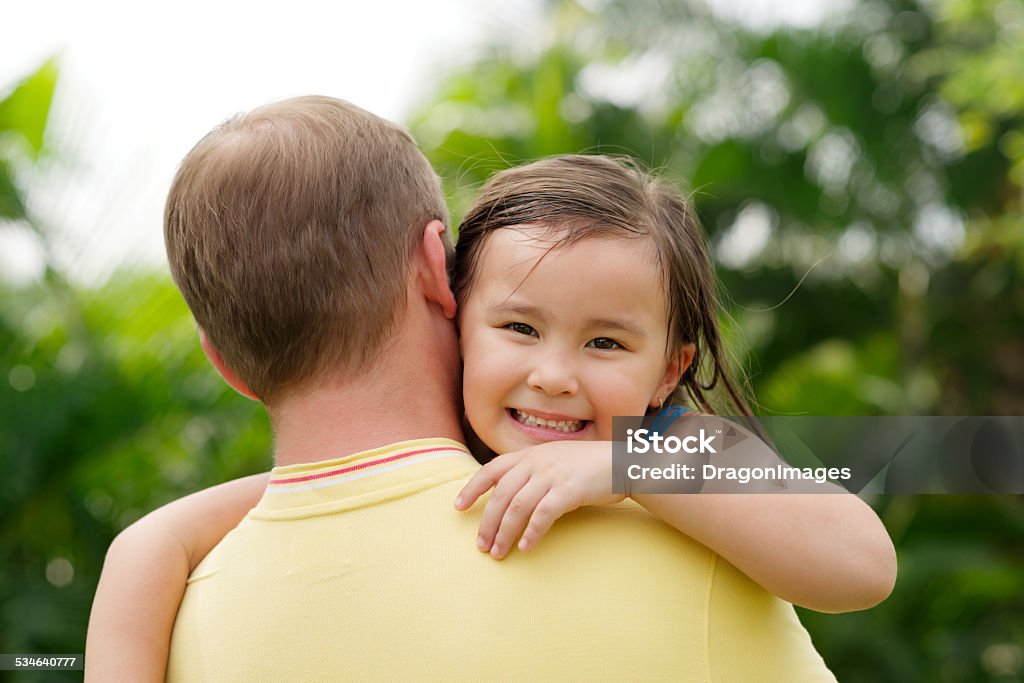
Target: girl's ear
x,y
677,365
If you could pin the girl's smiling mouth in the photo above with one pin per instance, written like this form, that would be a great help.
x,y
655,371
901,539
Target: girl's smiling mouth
x,y
548,426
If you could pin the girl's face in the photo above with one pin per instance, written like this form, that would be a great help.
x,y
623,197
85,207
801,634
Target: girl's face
x,y
557,341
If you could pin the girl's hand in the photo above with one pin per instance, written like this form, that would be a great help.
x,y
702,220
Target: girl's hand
x,y
535,486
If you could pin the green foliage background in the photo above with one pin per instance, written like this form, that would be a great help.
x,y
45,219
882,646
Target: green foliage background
x,y
881,156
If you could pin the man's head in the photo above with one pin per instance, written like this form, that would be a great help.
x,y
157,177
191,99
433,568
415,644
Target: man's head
x,y
290,231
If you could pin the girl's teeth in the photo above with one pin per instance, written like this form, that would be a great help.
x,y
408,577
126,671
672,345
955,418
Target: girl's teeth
x,y
560,425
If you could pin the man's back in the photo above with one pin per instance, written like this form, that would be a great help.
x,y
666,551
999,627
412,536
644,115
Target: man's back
x,y
360,568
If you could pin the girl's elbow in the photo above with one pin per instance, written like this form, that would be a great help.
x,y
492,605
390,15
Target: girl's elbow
x,y
884,577
874,578
863,584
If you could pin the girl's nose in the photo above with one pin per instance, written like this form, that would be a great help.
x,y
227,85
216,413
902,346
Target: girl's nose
x,y
553,375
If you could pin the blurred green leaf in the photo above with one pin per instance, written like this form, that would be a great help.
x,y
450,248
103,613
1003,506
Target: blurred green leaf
x,y
26,109
11,205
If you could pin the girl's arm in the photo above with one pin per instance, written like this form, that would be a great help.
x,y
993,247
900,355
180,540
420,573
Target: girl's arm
x,y
144,577
824,551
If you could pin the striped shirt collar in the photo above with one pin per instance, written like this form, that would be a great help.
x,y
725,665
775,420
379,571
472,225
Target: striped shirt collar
x,y
363,478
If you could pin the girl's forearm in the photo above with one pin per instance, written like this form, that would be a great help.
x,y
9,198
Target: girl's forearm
x,y
144,577
132,616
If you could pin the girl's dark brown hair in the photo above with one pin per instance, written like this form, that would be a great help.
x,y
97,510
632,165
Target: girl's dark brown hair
x,y
583,196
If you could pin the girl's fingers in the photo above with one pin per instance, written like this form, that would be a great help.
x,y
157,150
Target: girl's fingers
x,y
518,513
484,480
505,490
549,508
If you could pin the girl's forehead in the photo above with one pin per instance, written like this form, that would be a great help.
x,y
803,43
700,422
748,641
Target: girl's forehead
x,y
529,245
536,259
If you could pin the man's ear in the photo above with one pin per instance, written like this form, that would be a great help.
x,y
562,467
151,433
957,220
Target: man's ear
x,y
233,380
677,365
434,269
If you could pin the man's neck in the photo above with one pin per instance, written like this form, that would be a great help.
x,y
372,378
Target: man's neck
x,y
332,424
409,395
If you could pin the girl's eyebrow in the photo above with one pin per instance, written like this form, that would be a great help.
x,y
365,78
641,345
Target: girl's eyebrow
x,y
620,325
525,310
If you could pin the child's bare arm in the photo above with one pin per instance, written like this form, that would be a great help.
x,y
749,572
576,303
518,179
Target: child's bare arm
x,y
144,577
825,551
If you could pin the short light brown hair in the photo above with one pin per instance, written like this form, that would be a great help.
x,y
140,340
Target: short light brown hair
x,y
587,196
289,231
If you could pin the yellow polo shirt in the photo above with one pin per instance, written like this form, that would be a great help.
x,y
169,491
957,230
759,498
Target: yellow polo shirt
x,y
360,568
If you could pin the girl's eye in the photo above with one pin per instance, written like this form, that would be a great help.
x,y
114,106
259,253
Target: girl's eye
x,y
604,344
521,328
